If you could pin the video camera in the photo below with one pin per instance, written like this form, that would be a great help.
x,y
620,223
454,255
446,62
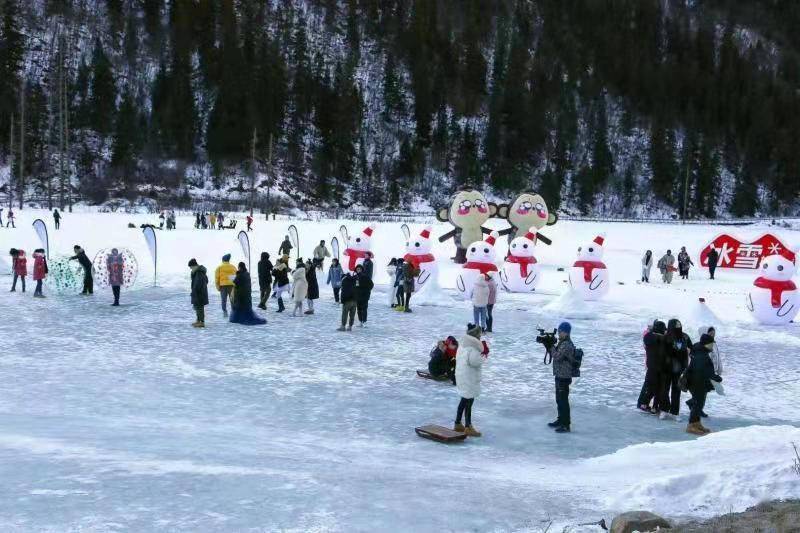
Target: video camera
x,y
548,340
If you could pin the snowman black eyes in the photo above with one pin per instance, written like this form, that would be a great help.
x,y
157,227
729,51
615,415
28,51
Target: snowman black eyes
x,y
473,250
416,244
591,250
513,245
780,268
525,246
486,250
358,239
766,266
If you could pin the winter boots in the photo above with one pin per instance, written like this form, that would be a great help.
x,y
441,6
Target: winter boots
x,y
470,431
696,428
562,429
556,424
199,324
458,428
281,307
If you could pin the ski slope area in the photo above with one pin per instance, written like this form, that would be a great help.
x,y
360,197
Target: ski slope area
x,y
128,419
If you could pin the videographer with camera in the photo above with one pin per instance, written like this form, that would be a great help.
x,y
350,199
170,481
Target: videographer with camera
x,y
566,363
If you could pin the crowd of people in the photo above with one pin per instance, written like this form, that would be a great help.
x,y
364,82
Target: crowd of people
x,y
167,218
204,220
666,265
674,365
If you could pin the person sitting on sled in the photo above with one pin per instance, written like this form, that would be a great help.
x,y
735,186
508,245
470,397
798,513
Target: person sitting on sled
x,y
443,359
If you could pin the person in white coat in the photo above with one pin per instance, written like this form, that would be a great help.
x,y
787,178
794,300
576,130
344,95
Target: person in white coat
x,y
647,266
471,354
299,287
480,300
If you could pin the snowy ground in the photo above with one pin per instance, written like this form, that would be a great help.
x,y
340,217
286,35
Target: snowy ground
x,y
129,419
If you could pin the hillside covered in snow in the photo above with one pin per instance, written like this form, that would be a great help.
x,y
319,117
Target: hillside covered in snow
x,y
685,108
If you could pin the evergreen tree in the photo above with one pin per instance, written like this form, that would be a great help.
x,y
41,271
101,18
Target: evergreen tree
x,y
103,92
12,51
126,141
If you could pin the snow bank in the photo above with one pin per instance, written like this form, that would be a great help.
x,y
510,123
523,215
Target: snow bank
x,y
729,470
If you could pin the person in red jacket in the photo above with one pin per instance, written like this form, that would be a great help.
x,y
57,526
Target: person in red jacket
x,y
40,271
249,223
19,265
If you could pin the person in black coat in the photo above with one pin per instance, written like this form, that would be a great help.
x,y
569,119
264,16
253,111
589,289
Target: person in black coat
x,y
242,303
349,304
713,259
286,247
313,286
369,266
676,359
363,290
699,376
199,292
654,346
264,279
86,263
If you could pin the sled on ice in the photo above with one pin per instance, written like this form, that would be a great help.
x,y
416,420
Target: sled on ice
x,y
440,434
427,375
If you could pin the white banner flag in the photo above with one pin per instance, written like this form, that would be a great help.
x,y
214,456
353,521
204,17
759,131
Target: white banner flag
x,y
244,240
41,231
335,247
150,238
295,238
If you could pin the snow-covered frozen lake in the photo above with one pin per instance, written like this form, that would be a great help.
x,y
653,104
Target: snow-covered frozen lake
x,y
128,419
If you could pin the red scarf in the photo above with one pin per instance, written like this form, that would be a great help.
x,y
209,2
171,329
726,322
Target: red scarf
x,y
415,260
483,267
523,263
588,268
776,288
354,256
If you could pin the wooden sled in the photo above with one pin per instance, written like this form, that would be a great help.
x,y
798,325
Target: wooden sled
x,y
440,434
428,375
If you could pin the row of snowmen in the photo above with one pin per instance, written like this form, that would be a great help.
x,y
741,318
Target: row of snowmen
x,y
520,271
773,300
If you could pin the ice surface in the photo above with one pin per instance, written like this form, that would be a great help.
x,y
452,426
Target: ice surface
x,y
128,419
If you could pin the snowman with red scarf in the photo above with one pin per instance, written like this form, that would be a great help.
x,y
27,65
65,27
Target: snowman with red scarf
x,y
481,259
588,277
520,272
358,246
774,299
418,253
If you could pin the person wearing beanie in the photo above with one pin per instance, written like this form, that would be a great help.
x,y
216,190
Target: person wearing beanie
x,y
699,376
199,292
471,355
299,287
564,361
40,271
264,279
223,280
86,263
654,347
19,266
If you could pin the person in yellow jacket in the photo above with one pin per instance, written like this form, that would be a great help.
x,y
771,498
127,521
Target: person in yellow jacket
x,y
223,279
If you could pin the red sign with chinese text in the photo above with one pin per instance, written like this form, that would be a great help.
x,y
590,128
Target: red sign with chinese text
x,y
734,253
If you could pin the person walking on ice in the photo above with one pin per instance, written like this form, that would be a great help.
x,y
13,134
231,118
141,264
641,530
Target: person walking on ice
x,y
281,274
699,377
223,280
11,219
713,260
286,247
299,288
666,265
19,266
320,253
348,297
564,362
199,292
57,218
480,299
684,263
116,267
647,266
471,354
40,271
313,286
335,274
264,279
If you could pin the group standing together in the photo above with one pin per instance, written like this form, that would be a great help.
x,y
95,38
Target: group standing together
x,y
666,265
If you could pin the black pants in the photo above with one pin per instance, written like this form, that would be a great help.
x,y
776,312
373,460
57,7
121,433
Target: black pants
x,y
562,401
711,270
88,281
14,283
115,290
489,318
671,394
200,311
651,390
38,287
348,313
407,299
336,294
698,403
399,294
361,308
58,224
265,290
465,411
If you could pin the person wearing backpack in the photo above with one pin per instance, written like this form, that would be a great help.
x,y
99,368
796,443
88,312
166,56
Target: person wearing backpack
x,y
565,365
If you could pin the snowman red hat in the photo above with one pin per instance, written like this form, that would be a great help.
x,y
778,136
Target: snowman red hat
x,y
426,232
600,239
369,229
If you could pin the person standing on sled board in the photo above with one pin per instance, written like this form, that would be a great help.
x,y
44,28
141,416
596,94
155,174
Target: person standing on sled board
x,y
472,353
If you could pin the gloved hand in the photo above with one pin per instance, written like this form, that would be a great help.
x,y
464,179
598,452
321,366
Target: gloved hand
x,y
719,388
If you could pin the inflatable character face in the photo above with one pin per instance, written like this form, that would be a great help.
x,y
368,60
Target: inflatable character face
x,y
528,209
468,209
777,268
